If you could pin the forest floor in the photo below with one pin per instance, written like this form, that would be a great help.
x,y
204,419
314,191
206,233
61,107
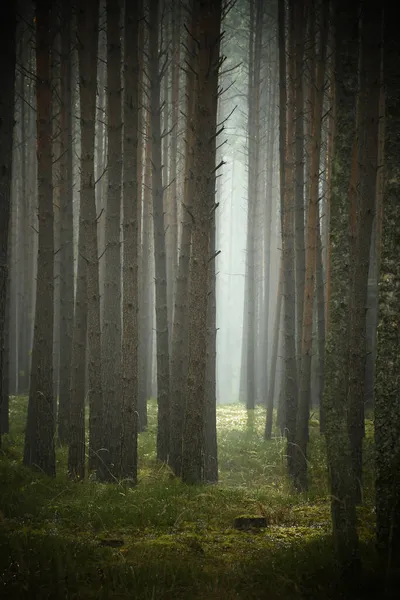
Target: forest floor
x,y
165,540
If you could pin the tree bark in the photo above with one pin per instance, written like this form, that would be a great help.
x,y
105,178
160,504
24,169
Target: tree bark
x,y
111,333
335,401
303,415
367,161
207,29
8,53
66,229
130,259
39,449
88,13
159,239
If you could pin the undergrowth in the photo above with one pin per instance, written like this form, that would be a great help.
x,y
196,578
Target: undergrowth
x,y
165,540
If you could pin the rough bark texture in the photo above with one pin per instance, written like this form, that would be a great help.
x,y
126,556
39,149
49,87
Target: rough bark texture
x,y
210,413
335,401
159,240
111,333
290,379
130,247
179,346
8,53
367,160
146,334
207,30
66,230
274,358
387,398
304,402
88,14
39,450
300,256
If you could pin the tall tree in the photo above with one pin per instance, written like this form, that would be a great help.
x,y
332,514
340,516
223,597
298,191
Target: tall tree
x,y
179,345
387,399
66,227
286,126
111,335
130,336
39,449
207,33
8,52
334,398
87,22
156,73
310,263
367,164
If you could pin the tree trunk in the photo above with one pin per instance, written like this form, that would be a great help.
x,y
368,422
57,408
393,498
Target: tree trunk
x,y
111,334
179,347
367,161
207,28
159,240
300,251
210,415
8,53
290,380
130,260
66,230
39,449
303,414
88,13
387,398
334,399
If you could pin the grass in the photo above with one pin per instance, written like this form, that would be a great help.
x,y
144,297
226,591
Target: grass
x,y
165,540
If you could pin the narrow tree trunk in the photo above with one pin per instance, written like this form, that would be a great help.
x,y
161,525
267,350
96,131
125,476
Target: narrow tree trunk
x,y
210,416
274,358
367,160
334,399
130,260
88,13
179,347
300,251
207,28
303,415
8,53
290,379
66,230
111,333
39,449
147,288
159,240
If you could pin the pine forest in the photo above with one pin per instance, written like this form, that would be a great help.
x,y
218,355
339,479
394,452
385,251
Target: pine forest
x,y
199,300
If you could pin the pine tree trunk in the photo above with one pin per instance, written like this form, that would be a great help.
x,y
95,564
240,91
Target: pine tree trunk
x,y
88,12
387,398
334,399
210,415
287,164
39,449
300,251
274,358
179,346
304,403
207,28
8,53
367,161
111,333
66,230
130,245
147,288
159,240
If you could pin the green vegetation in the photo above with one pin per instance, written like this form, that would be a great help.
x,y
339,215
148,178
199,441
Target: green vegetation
x,y
162,539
